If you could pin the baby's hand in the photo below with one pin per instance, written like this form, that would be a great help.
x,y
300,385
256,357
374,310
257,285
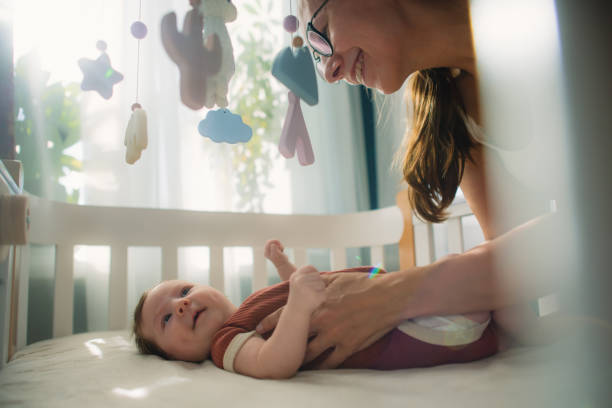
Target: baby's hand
x,y
306,289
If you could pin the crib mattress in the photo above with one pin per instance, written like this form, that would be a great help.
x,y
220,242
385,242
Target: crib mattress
x,y
103,369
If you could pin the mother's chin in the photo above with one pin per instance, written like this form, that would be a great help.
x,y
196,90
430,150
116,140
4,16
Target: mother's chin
x,y
388,88
388,83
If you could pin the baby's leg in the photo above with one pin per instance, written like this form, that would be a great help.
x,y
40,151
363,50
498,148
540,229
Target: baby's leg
x,y
274,252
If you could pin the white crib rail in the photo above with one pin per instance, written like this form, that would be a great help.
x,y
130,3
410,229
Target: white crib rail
x,y
67,225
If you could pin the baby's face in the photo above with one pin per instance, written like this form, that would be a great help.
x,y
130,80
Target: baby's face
x,y
182,317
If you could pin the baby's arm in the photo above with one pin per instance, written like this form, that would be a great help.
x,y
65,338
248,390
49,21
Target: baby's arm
x,y
283,353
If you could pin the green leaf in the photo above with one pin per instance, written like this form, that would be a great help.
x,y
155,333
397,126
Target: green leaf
x,y
71,162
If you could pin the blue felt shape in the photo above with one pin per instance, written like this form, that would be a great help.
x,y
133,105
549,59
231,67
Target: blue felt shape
x,y
98,75
297,72
221,125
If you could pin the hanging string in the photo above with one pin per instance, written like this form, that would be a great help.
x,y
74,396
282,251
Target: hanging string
x,y
138,53
291,13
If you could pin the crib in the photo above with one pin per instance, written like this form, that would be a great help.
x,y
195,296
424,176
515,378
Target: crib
x,y
103,368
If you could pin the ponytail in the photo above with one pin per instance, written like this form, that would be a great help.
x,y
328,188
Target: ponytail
x,y
438,143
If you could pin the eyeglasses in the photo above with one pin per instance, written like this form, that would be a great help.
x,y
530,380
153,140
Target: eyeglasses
x,y
321,46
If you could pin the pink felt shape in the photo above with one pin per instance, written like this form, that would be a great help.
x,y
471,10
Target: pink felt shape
x,y
304,150
294,135
195,61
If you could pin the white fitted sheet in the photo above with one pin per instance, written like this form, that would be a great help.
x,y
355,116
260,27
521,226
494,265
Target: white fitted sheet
x,y
103,369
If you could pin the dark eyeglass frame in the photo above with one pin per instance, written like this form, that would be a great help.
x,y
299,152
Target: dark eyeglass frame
x,y
316,53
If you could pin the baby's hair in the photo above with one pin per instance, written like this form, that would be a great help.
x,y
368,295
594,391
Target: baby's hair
x,y
144,345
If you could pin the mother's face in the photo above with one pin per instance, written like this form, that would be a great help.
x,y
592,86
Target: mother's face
x,y
368,38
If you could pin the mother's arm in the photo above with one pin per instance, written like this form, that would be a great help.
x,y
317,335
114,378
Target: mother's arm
x,y
504,271
359,310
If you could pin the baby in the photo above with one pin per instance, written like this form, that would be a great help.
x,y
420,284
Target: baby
x,y
179,320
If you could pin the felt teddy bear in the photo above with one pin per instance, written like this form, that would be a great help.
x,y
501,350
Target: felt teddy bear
x,y
216,13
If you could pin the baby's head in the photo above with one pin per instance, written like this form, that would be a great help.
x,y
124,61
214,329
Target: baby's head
x,y
177,320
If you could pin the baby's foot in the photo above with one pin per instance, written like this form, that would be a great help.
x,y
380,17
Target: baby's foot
x,y
274,252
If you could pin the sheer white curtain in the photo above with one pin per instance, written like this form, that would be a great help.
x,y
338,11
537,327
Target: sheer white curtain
x,y
337,182
179,168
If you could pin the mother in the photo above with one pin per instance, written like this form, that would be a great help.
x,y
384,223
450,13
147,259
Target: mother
x,y
379,44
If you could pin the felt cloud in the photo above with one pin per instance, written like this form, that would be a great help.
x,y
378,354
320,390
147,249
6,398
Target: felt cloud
x,y
224,126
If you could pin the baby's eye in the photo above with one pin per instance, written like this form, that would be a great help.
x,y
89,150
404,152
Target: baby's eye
x,y
185,291
166,318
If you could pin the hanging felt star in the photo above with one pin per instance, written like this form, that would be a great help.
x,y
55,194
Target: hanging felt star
x,y
98,75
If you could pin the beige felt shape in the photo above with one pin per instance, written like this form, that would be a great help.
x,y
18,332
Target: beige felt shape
x,y
136,138
196,62
216,13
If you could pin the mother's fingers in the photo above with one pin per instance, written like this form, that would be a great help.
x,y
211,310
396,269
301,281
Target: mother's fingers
x,y
336,358
315,348
269,322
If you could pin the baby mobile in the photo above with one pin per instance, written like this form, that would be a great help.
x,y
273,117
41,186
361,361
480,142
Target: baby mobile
x,y
136,138
294,68
204,55
99,76
206,65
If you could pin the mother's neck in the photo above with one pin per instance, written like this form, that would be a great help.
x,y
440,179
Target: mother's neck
x,y
444,31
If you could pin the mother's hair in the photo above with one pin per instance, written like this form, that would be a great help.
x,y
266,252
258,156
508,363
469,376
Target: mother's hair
x,y
438,143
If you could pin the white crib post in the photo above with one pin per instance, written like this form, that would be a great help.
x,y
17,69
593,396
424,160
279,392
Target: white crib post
x,y
455,236
377,256
169,262
300,257
63,301
117,288
216,268
424,243
338,258
260,276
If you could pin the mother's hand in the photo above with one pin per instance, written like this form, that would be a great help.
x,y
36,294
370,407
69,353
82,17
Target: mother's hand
x,y
358,311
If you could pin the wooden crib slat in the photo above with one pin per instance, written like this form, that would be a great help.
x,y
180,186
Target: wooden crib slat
x,y
338,258
377,256
216,279
23,268
406,244
424,243
63,301
455,235
117,288
260,275
169,262
300,257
